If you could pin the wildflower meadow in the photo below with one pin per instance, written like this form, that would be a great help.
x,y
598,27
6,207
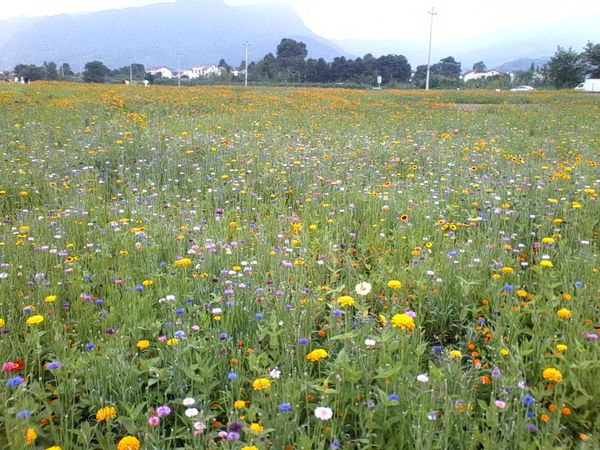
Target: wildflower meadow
x,y
298,268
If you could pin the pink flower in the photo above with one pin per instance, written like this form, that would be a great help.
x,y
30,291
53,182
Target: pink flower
x,y
153,421
323,413
500,404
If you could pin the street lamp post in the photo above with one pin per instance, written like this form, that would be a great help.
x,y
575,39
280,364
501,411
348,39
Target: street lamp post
x,y
179,69
246,44
432,13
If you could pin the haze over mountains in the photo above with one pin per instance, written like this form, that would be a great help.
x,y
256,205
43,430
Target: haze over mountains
x,y
205,31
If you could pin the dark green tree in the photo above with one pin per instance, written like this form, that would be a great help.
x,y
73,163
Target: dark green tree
x,y
316,71
566,68
393,68
290,58
264,70
479,67
30,71
51,70
67,71
591,59
95,72
224,65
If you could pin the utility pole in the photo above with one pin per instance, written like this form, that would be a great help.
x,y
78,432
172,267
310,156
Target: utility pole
x,y
179,69
130,71
432,13
246,44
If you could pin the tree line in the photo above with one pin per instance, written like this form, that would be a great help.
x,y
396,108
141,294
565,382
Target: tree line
x,y
565,69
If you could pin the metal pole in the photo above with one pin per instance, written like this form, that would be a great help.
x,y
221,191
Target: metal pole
x,y
130,72
246,44
433,13
179,69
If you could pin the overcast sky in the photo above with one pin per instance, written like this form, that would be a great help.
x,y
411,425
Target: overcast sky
x,y
374,19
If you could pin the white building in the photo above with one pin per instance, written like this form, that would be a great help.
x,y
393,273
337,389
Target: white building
x,y
163,70
203,71
472,75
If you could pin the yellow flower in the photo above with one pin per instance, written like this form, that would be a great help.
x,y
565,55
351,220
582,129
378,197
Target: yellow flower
x,y
566,296
455,354
504,351
143,344
239,404
128,443
346,300
317,355
394,284
2,322
147,282
30,436
564,313
250,447
261,383
183,262
173,341
106,413
54,447
256,428
552,374
548,240
50,298
403,321
35,320
522,293
508,270
561,347
383,320
546,263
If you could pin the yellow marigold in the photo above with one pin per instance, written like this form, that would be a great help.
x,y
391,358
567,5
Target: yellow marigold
x,y
143,344
35,320
250,447
564,313
566,296
508,270
403,321
455,354
317,355
54,447
106,413
50,298
546,263
522,293
2,322
261,383
552,374
30,436
561,347
173,341
183,262
239,404
504,351
256,428
128,443
394,284
383,319
346,300
147,282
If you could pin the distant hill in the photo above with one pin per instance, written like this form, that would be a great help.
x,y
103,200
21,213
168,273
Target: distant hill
x,y
204,31
522,64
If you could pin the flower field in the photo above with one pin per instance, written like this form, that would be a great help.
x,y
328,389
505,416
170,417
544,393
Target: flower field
x,y
294,268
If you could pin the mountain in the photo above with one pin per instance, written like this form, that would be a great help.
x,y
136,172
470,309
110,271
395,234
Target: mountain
x,y
203,31
522,64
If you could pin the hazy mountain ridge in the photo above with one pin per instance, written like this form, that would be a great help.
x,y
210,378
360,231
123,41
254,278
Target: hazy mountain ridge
x,y
202,30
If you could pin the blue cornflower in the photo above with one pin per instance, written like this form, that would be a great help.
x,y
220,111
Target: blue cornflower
x,y
393,397
285,407
232,376
15,381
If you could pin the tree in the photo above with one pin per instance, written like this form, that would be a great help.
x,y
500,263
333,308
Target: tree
x,y
66,70
591,59
393,68
479,67
95,72
565,68
290,58
447,68
265,69
51,71
30,71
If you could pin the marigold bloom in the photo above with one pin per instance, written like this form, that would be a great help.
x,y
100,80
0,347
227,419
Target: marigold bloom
x,y
508,270
394,284
183,262
50,298
317,355
250,447
106,413
2,322
128,443
143,344
35,320
564,313
455,354
261,383
561,347
546,263
256,428
239,404
54,447
346,300
552,374
30,436
403,321
173,341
